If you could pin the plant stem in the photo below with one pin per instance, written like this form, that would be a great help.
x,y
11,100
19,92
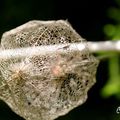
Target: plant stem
x,y
104,46
94,47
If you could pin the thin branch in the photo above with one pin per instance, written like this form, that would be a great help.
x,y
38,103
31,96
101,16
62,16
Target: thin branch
x,y
104,46
93,47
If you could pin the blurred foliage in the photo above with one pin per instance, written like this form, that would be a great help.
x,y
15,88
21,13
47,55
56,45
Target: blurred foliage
x,y
112,31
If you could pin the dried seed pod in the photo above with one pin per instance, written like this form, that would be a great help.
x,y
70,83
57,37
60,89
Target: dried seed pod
x,y
46,86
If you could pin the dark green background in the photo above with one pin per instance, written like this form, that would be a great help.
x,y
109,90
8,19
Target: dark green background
x,y
88,17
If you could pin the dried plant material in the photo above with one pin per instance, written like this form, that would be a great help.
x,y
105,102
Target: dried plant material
x,y
46,86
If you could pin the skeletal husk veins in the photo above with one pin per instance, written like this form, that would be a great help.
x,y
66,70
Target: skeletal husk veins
x,y
45,86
